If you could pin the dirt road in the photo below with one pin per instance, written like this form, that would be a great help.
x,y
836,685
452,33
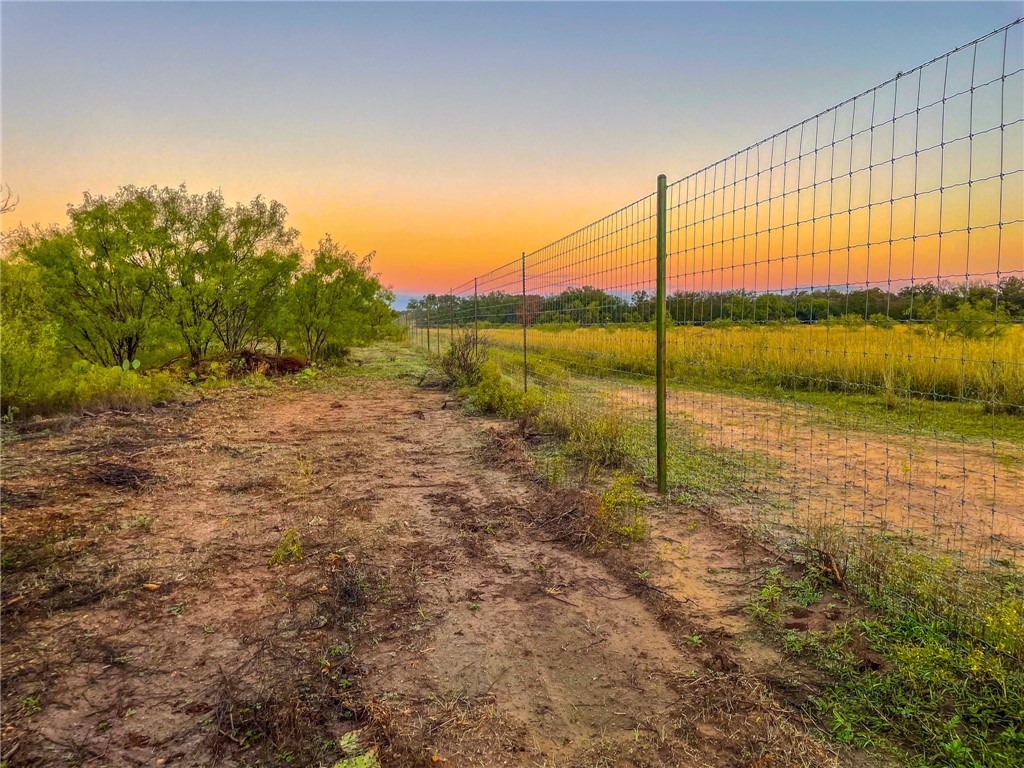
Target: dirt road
x,y
441,611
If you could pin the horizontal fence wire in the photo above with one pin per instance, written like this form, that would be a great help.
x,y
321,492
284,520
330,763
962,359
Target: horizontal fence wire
x,y
845,302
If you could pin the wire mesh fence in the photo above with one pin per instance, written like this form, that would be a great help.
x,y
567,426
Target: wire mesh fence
x,y
845,327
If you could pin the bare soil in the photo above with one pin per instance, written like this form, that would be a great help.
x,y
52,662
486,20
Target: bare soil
x,y
955,497
447,608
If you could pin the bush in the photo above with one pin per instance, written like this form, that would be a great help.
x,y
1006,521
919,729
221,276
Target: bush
x,y
460,364
333,352
30,350
27,360
880,320
86,386
496,394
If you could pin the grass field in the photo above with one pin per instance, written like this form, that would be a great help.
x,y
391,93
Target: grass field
x,y
894,378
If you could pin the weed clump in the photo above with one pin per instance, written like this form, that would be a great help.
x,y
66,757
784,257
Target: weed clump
x,y
460,364
908,679
288,550
357,754
592,434
622,508
496,394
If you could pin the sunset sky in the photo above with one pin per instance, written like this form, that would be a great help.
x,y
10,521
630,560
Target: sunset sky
x,y
446,137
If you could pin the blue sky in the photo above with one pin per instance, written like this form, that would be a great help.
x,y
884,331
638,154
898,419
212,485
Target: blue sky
x,y
447,137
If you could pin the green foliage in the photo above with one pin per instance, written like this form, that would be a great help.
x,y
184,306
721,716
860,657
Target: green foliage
x,y
767,604
102,274
224,268
949,690
949,703
496,394
554,471
29,333
288,550
459,365
357,755
335,353
622,508
969,319
336,300
881,320
591,432
984,607
87,386
139,275
29,705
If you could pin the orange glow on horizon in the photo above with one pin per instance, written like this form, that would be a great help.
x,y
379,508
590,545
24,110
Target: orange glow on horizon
x,y
441,245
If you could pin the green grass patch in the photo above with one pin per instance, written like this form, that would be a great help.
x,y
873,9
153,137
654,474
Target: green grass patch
x,y
934,675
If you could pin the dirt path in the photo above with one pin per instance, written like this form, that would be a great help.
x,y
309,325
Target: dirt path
x,y
954,497
441,612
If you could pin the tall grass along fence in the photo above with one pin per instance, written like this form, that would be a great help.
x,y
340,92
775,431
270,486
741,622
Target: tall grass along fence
x,y
821,334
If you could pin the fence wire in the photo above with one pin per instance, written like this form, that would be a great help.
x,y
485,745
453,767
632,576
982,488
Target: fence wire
x,y
846,312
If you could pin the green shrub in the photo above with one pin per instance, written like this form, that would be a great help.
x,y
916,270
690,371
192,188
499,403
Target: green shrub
x,y
880,320
622,508
30,352
592,433
496,394
86,386
459,365
27,359
333,352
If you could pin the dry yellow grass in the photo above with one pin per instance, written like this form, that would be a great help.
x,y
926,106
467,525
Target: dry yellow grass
x,y
891,361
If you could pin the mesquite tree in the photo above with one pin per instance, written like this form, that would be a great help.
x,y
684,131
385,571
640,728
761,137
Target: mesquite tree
x,y
335,299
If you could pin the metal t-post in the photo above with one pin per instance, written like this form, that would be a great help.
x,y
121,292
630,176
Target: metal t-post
x,y
524,323
660,344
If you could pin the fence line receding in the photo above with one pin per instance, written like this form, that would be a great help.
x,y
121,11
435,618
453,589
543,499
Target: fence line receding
x,y
845,324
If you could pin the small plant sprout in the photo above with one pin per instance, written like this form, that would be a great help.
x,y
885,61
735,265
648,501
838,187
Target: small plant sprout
x,y
288,550
29,705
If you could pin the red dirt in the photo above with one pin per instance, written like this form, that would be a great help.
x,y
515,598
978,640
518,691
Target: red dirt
x,y
442,604
954,497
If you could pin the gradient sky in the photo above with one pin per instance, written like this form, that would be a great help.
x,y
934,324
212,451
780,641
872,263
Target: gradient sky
x,y
447,137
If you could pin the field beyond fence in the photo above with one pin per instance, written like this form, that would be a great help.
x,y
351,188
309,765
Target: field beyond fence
x,y
842,308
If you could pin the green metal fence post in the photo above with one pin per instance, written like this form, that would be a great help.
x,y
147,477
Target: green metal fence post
x,y
524,322
451,314
476,317
661,346
428,329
